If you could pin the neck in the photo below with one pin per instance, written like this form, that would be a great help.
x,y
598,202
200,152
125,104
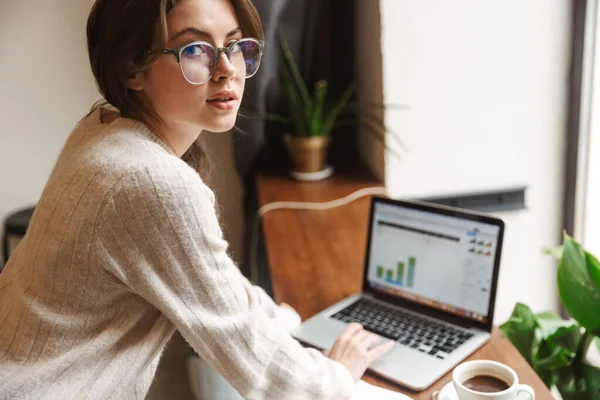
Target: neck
x,y
178,135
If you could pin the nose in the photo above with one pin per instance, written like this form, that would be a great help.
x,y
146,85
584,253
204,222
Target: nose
x,y
225,69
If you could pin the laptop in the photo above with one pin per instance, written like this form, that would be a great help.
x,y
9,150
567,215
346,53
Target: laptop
x,y
429,284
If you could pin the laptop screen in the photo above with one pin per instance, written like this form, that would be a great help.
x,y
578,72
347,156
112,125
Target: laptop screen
x,y
440,261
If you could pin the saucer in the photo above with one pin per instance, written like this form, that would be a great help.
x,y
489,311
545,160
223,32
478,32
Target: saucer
x,y
448,392
313,176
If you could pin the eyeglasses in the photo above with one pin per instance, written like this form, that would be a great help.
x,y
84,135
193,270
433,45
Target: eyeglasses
x,y
198,60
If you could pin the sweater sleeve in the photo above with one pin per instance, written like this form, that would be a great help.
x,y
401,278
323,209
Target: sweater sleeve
x,y
289,319
159,229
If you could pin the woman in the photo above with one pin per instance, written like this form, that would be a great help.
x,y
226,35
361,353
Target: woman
x,y
125,246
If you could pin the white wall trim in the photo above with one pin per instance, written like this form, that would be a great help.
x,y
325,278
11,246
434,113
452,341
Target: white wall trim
x,y
588,98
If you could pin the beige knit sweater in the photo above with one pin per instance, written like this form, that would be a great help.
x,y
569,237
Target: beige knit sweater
x,y
124,248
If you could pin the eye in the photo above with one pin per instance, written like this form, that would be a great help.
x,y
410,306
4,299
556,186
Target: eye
x,y
235,47
195,50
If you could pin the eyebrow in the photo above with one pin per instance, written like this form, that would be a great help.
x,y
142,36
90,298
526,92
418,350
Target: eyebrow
x,y
202,34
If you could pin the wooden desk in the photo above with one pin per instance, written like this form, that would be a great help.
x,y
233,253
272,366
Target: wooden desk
x,y
316,258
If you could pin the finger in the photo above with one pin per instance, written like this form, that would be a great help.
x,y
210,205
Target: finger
x,y
380,350
370,340
360,337
325,353
346,336
352,329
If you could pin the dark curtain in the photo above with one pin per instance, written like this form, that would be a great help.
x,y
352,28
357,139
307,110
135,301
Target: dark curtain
x,y
320,34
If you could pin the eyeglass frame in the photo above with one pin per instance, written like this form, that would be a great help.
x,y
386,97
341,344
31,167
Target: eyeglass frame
x,y
176,51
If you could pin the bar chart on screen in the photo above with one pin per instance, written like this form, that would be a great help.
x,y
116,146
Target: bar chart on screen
x,y
401,276
417,260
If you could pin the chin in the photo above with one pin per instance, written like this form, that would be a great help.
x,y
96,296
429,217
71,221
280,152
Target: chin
x,y
221,125
219,121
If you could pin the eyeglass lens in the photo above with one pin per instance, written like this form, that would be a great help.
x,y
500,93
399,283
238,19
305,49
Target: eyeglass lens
x,y
198,61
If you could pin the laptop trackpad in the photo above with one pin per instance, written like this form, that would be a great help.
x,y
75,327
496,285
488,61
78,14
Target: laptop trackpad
x,y
319,332
399,364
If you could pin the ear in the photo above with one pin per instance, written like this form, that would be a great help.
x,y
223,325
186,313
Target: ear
x,y
135,82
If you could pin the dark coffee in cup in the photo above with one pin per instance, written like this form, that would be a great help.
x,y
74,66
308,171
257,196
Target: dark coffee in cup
x,y
486,384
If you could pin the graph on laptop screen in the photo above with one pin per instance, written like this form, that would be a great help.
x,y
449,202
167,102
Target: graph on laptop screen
x,y
440,261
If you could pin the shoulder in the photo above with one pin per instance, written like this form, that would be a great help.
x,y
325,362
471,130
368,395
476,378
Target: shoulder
x,y
165,194
164,181
128,152
162,172
131,165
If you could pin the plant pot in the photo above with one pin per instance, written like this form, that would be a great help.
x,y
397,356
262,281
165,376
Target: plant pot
x,y
308,156
206,382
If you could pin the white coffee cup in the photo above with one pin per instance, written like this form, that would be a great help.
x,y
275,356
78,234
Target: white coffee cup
x,y
470,369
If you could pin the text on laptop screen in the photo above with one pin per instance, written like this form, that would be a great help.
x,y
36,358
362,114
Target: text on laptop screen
x,y
440,261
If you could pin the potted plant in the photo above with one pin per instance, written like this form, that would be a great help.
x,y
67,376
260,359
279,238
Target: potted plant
x,y
313,116
559,350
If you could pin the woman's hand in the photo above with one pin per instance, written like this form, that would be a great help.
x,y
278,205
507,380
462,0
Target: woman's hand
x,y
357,348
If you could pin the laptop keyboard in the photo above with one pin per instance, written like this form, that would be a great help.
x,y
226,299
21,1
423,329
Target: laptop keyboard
x,y
420,334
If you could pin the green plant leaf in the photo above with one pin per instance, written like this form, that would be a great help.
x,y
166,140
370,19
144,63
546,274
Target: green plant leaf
x,y
373,118
520,330
568,338
559,342
569,386
577,289
552,357
335,112
376,133
560,332
375,106
296,76
597,341
555,252
318,104
379,136
594,267
294,107
549,322
550,377
346,122
580,358
592,379
367,111
551,316
265,116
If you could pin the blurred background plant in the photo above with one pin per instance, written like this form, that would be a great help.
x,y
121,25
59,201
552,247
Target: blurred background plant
x,y
312,115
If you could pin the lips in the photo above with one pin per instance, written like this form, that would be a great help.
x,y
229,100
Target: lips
x,y
225,100
223,97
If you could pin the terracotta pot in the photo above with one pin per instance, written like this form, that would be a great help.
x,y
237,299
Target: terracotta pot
x,y
308,153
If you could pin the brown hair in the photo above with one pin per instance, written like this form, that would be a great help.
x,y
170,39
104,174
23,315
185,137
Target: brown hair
x,y
125,37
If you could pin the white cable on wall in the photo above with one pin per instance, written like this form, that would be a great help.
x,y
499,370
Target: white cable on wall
x,y
294,205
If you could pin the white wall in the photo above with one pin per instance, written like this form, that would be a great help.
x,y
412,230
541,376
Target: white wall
x,y
486,83
46,87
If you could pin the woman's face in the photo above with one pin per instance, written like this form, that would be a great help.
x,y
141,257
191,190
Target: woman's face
x,y
177,101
